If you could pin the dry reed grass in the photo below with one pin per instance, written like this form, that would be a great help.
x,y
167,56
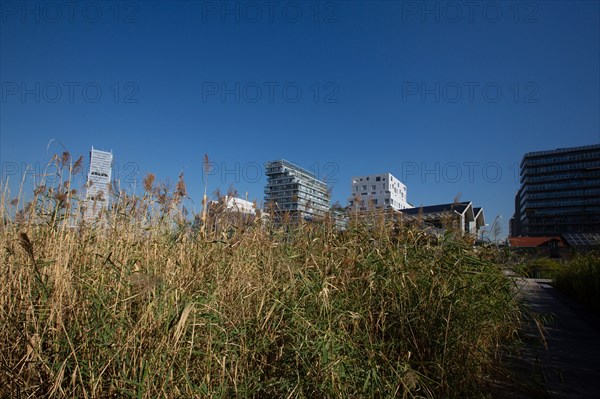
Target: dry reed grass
x,y
150,305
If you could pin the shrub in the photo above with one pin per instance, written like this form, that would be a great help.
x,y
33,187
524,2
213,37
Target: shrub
x,y
542,268
580,278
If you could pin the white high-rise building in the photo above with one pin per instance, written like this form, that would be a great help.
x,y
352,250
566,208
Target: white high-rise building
x,y
381,191
98,183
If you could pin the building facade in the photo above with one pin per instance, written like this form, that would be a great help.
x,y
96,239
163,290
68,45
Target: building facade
x,y
240,205
98,183
461,215
559,193
294,190
237,205
381,191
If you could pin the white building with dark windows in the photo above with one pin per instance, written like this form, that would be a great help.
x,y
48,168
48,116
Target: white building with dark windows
x,y
98,184
381,191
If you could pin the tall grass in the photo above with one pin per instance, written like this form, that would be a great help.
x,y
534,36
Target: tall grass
x,y
540,267
580,278
146,305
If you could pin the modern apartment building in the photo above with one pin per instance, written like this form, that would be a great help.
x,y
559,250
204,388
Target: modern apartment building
x,y
98,183
294,190
381,191
560,193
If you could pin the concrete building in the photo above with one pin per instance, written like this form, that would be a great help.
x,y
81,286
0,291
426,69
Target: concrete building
x,y
381,191
237,205
293,190
98,184
228,211
559,193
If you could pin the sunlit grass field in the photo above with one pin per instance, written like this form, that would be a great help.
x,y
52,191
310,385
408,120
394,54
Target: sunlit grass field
x,y
147,304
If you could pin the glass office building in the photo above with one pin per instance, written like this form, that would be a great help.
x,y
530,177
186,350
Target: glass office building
x,y
560,193
294,190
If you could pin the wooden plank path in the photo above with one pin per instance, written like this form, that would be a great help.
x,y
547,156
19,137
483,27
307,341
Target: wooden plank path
x,y
567,364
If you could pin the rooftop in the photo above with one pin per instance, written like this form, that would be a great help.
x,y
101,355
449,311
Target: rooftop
x,y
563,150
458,207
533,242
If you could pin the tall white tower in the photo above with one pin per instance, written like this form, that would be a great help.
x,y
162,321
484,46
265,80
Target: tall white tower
x,y
98,183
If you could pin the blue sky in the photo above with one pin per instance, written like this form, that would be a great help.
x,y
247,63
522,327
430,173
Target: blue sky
x,y
447,96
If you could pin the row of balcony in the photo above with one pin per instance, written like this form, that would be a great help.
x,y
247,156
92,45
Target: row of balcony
x,y
588,175
553,168
584,211
593,192
549,203
565,186
554,218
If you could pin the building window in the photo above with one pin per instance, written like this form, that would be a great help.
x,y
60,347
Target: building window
x,y
387,200
378,178
373,187
364,187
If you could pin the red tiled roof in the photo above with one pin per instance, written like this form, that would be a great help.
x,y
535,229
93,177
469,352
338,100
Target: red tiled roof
x,y
531,242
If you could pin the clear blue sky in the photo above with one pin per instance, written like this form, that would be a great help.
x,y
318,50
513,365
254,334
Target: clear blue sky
x,y
447,96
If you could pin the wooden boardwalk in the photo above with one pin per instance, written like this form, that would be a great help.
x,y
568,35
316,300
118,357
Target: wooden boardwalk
x,y
566,363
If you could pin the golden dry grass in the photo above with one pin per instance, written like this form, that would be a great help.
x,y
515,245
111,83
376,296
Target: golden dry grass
x,y
149,305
